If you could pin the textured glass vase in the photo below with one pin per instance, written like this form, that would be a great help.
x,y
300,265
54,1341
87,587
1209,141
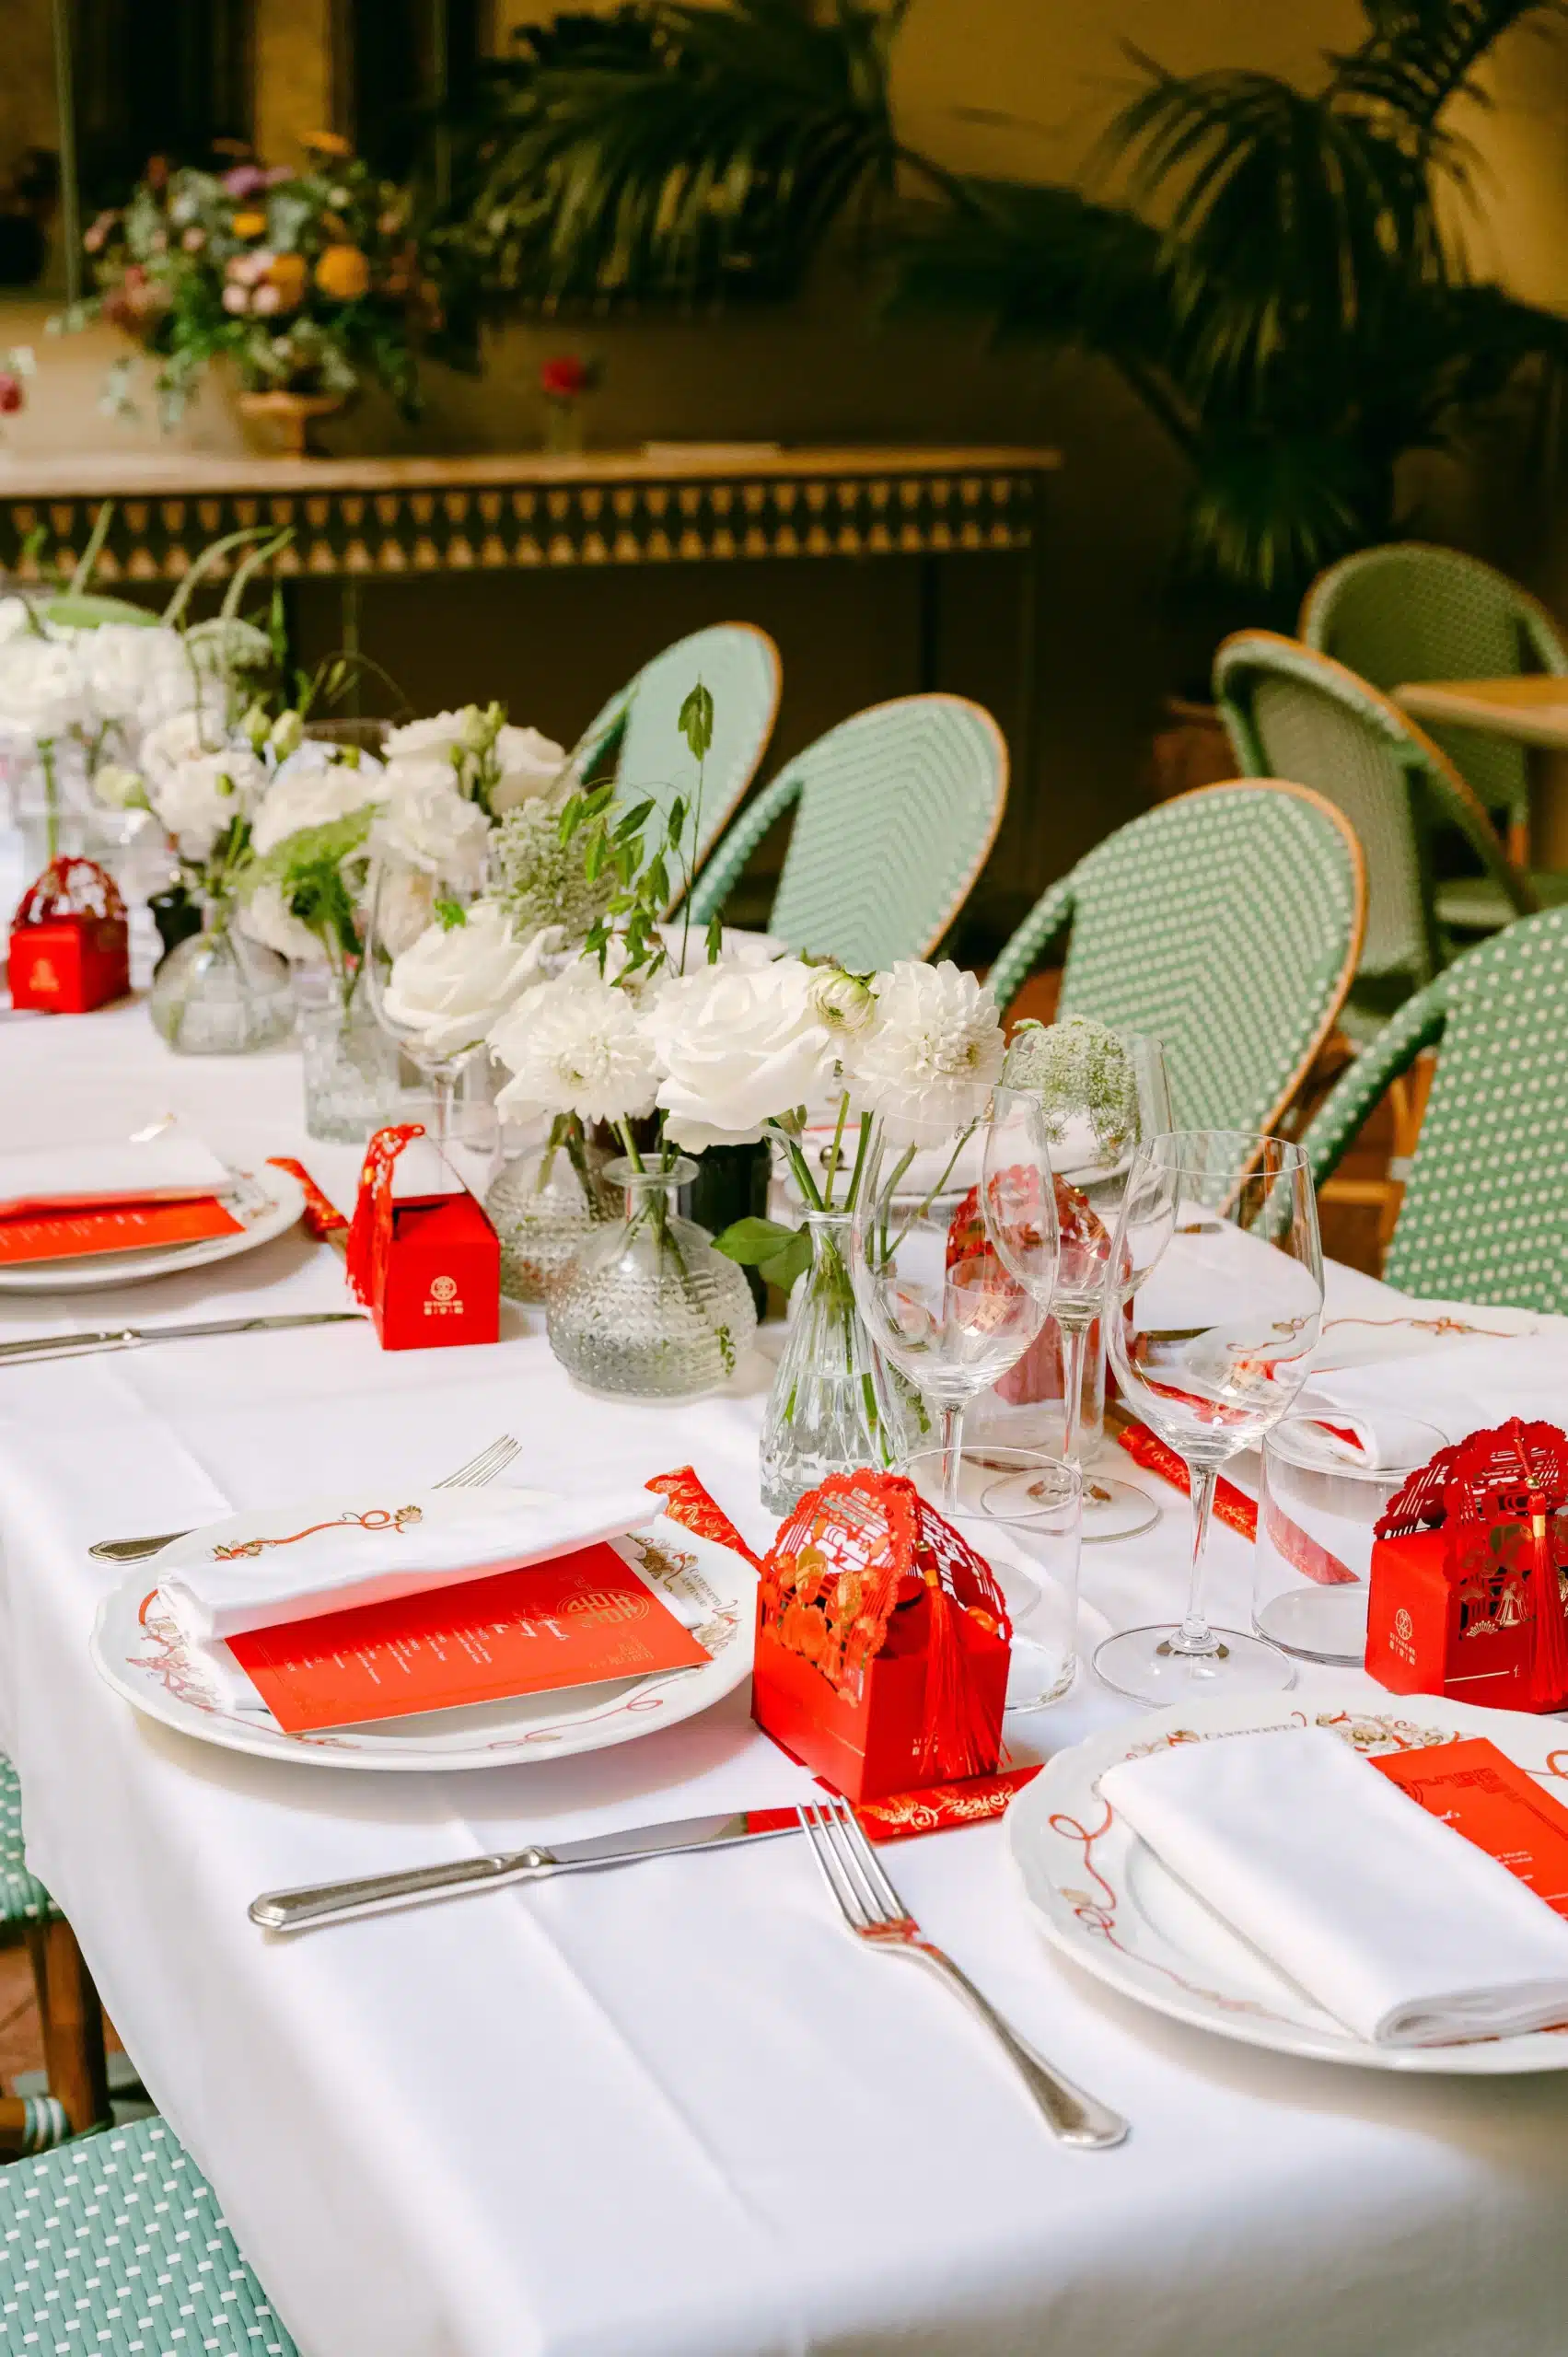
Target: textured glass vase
x,y
648,1309
220,994
544,1205
349,1063
835,1405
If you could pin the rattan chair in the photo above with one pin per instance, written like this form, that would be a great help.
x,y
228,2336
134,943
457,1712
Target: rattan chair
x,y
1484,1216
1227,923
895,812
636,732
116,2246
1407,612
1294,713
70,2018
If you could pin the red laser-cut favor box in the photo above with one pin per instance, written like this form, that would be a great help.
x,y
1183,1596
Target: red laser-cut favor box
x,y
70,944
427,1266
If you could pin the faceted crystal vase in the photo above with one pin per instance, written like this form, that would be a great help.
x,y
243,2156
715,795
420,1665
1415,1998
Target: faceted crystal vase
x,y
835,1405
220,994
545,1205
647,1309
350,1065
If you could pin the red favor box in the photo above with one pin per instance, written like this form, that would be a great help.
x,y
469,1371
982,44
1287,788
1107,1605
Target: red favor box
x,y
443,1275
882,1642
70,965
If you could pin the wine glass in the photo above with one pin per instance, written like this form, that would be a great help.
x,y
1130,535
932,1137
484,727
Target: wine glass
x,y
929,1282
1101,1093
442,1069
1213,1306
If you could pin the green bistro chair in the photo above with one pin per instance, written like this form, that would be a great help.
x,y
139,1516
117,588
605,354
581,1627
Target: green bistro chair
x,y
1293,713
116,2246
1484,1216
1226,924
69,2012
637,728
895,813
1408,612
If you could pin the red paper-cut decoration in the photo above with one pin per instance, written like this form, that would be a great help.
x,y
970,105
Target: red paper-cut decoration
x,y
70,942
370,1230
70,887
688,1503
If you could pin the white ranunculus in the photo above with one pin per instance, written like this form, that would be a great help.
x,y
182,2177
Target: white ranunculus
x,y
43,688
182,736
575,1045
845,1003
199,799
427,822
738,1046
426,739
266,916
935,1048
456,980
311,796
529,763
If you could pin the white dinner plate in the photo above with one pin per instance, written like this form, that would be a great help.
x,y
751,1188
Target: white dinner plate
x,y
144,1659
1421,1327
1105,1899
267,1205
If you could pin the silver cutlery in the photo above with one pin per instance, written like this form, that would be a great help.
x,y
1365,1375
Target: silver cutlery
x,y
473,1476
341,1902
35,1348
873,1913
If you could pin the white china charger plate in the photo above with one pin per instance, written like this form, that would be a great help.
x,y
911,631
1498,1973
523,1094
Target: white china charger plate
x,y
145,1661
267,1206
1103,1898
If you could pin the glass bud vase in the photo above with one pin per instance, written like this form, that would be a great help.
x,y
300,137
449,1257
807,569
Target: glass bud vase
x,y
221,993
544,1205
350,1064
648,1309
834,1406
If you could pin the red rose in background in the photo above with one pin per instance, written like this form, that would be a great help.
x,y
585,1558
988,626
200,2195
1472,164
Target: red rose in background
x,y
10,393
565,378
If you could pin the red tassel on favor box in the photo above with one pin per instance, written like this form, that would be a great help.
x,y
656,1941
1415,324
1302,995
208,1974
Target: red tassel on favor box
x,y
428,1266
70,942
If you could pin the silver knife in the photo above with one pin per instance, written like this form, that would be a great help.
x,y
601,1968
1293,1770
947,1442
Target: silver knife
x,y
34,1348
340,1902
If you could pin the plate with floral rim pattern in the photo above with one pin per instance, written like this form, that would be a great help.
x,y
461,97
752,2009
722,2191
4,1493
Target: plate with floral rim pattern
x,y
1103,1898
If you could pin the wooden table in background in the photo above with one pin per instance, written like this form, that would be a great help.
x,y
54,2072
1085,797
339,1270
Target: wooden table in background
x,y
1533,709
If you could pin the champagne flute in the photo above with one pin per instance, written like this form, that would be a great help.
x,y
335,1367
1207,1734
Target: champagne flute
x,y
442,1068
937,1298
1102,1093
1212,1306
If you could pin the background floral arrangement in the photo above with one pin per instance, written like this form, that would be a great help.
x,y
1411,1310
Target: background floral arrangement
x,y
307,281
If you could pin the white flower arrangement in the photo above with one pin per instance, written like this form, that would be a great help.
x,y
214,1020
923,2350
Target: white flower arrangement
x,y
461,975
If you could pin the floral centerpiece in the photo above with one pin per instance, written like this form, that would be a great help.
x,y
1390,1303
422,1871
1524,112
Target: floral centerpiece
x,y
307,281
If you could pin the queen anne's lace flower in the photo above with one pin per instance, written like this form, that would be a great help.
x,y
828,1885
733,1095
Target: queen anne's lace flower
x,y
934,1052
577,1045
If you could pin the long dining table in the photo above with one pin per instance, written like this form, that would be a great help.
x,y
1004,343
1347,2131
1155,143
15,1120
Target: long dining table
x,y
671,2111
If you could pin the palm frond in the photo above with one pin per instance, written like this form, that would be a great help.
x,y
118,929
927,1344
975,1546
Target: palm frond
x,y
1419,54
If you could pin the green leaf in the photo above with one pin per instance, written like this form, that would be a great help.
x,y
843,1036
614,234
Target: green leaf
x,y
655,880
715,938
752,1241
792,1262
632,822
449,915
696,721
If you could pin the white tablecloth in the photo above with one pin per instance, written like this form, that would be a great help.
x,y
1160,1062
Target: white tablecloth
x,y
674,2109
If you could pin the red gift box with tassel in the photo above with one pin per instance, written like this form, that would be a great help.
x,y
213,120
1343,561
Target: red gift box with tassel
x,y
70,942
427,1266
1465,1583
882,1642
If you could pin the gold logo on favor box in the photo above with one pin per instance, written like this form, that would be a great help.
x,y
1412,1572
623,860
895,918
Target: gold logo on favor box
x,y
444,1301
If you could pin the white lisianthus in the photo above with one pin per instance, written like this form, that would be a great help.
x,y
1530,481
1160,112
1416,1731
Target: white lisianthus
x,y
738,1046
118,787
267,917
427,822
934,1053
118,666
43,688
15,621
436,738
528,763
182,736
313,795
199,798
575,1045
458,980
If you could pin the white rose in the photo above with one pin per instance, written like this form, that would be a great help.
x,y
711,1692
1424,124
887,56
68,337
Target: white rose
x,y
267,917
422,740
199,799
456,980
529,763
183,736
427,822
930,1059
311,794
738,1046
575,1045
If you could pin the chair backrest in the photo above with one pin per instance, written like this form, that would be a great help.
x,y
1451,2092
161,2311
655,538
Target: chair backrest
x,y
1293,713
1485,1212
738,665
1409,612
895,811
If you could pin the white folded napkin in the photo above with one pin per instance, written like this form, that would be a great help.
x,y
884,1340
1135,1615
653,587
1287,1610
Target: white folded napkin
x,y
163,1169
329,1554
1465,1387
1396,1924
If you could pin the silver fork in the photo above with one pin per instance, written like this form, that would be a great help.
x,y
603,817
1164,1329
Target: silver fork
x,y
473,1476
873,1913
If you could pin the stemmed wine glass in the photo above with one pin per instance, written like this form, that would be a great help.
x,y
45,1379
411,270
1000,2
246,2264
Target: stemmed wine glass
x,y
1212,1307
443,1065
931,1286
1101,1092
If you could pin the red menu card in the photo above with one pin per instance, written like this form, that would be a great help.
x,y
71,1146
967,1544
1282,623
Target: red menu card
x,y
1481,1793
581,1618
127,1227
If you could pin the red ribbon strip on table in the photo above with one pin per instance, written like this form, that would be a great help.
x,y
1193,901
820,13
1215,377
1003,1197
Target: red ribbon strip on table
x,y
1232,1506
688,1503
70,887
370,1231
321,1219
